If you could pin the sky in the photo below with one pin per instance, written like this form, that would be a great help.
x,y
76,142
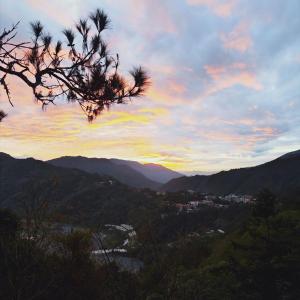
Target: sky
x,y
225,87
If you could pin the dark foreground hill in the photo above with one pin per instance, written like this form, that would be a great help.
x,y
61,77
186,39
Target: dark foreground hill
x,y
74,194
281,176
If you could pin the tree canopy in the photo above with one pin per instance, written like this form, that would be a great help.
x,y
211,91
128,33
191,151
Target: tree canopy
x,y
79,70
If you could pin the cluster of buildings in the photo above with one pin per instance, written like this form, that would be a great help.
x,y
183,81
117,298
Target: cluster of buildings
x,y
238,198
192,206
231,198
213,201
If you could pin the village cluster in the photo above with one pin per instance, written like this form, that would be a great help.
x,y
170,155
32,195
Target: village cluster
x,y
212,201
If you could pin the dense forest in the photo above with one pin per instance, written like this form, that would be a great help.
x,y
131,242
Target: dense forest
x,y
258,257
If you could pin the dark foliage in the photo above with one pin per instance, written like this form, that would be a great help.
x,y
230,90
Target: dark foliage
x,y
62,268
2,115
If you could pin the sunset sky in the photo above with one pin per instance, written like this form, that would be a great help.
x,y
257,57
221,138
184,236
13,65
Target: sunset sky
x,y
225,84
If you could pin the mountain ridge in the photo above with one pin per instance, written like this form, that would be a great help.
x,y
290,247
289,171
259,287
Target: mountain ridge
x,y
281,175
152,171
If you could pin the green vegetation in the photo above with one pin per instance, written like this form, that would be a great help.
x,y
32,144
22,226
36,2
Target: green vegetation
x,y
257,258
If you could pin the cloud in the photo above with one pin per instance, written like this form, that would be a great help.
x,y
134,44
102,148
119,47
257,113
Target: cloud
x,y
156,11
170,95
219,7
225,81
67,123
62,12
243,141
224,77
238,39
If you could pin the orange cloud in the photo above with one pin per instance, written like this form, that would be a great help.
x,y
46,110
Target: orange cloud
x,y
175,157
64,131
238,39
219,7
141,116
67,123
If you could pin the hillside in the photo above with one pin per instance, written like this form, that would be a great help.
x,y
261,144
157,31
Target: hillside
x,y
102,166
282,176
71,194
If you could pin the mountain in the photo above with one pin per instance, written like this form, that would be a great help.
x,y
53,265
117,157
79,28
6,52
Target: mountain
x,y
128,172
281,176
290,155
71,195
102,166
155,172
19,176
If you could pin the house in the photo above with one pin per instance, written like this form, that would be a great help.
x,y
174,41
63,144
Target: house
x,y
194,203
207,202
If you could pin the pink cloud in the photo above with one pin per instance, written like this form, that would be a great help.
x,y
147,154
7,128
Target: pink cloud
x,y
170,92
266,131
238,39
165,96
244,142
163,69
219,7
176,87
139,12
61,12
227,76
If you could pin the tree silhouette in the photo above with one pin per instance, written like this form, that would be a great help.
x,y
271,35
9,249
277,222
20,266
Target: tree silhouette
x,y
2,115
81,70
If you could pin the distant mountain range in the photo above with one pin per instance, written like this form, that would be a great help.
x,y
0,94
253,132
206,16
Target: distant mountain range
x,y
81,179
281,176
131,173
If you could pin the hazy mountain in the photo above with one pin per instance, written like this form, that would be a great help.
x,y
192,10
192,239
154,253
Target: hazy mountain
x,y
128,172
155,172
282,176
102,166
